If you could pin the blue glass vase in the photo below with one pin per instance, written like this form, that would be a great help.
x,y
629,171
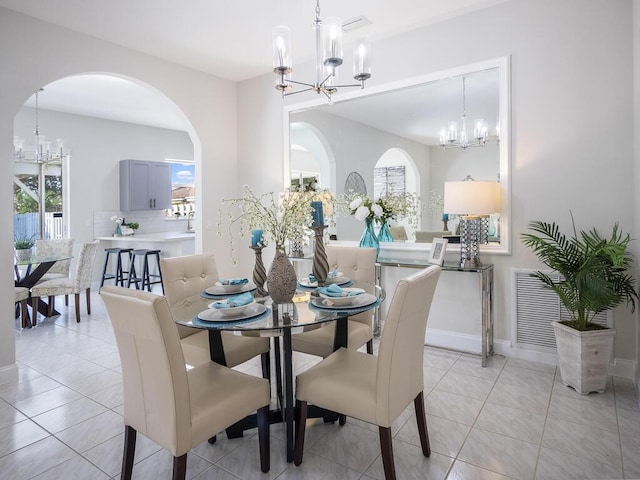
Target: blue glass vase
x,y
118,231
369,238
384,235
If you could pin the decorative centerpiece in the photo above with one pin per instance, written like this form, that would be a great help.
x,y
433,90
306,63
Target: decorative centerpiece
x,y
118,231
288,217
389,207
23,248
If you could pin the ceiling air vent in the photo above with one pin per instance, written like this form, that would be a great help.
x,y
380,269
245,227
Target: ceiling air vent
x,y
355,22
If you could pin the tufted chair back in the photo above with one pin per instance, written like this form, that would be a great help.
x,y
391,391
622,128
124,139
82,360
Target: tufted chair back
x,y
184,279
356,263
56,247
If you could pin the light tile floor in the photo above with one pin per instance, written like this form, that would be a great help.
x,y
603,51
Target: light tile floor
x,y
510,420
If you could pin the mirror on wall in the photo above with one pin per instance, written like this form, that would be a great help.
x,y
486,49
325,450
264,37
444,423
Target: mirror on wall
x,y
396,131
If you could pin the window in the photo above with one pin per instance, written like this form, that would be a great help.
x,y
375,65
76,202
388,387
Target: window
x,y
388,181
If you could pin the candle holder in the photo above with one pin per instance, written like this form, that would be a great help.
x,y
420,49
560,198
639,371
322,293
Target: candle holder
x,y
259,273
320,267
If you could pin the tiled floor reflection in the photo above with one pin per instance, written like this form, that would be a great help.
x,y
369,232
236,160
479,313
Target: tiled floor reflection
x,y
514,419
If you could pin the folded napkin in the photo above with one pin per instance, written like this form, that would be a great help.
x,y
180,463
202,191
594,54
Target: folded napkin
x,y
233,281
335,291
312,278
234,301
333,273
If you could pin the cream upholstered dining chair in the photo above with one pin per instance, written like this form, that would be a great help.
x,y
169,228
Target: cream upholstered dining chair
x,y
81,281
377,389
355,263
176,407
184,279
22,297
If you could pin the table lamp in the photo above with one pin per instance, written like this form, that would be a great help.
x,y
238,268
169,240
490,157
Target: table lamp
x,y
473,201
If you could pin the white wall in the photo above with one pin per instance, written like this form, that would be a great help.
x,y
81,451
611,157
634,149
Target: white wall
x,y
34,53
572,130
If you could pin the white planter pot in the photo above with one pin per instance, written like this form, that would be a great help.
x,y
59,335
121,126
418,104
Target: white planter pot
x,y
23,255
584,357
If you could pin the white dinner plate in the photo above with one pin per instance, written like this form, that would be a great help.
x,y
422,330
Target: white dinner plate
x,y
345,299
361,300
213,315
219,290
341,280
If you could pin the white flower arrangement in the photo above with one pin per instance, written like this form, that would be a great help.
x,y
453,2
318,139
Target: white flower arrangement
x,y
285,219
117,219
390,207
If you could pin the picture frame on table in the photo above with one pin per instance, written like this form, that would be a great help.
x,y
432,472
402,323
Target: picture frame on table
x,y
438,249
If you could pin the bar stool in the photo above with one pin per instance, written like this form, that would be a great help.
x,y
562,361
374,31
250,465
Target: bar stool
x,y
146,276
120,275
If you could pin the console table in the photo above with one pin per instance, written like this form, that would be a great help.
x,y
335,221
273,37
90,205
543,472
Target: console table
x,y
486,285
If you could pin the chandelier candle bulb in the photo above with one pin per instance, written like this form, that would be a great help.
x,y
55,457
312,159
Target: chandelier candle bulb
x,y
317,214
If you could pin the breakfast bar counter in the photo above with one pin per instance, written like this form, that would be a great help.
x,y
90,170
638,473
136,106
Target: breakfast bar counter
x,y
172,244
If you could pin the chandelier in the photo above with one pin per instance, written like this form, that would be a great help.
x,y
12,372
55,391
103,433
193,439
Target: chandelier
x,y
328,58
451,138
41,152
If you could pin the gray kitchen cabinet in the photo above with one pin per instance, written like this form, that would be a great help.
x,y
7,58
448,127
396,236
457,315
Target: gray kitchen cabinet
x,y
144,185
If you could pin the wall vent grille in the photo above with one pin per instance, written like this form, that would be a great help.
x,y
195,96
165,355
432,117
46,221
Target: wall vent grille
x,y
535,308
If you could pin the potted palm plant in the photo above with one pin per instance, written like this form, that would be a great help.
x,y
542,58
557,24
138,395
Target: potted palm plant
x,y
593,277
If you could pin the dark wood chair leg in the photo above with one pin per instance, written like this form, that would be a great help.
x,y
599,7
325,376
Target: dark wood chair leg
x,y
387,453
263,439
265,359
88,295
421,418
129,452
34,309
342,419
301,420
24,313
77,298
52,305
179,467
370,347
66,300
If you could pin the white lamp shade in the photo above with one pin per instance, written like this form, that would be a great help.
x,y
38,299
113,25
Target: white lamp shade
x,y
470,197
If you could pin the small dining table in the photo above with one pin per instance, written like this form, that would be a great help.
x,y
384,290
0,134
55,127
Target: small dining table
x,y
306,311
35,268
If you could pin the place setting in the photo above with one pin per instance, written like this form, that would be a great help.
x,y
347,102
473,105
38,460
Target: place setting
x,y
334,298
333,278
235,308
226,287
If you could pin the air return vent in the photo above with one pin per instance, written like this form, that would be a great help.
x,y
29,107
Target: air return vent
x,y
535,308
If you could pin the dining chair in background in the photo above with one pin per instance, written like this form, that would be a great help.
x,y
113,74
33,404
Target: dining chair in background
x,y
184,279
358,264
56,248
22,297
176,407
81,281
377,389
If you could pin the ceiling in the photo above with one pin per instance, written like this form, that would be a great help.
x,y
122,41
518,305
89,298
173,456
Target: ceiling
x,y
226,38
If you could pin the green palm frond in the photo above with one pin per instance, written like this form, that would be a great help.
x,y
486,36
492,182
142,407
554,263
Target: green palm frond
x,y
593,269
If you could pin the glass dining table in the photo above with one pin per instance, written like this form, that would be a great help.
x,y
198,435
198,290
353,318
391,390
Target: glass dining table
x,y
281,321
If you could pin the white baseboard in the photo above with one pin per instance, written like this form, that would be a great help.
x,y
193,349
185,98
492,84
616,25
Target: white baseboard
x,y
9,374
473,343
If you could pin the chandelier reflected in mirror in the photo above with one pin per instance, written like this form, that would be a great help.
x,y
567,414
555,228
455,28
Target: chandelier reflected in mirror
x,y
329,56
451,137
42,151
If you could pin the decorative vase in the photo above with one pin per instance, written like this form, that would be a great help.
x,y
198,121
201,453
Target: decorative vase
x,y
384,235
118,231
281,279
369,238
